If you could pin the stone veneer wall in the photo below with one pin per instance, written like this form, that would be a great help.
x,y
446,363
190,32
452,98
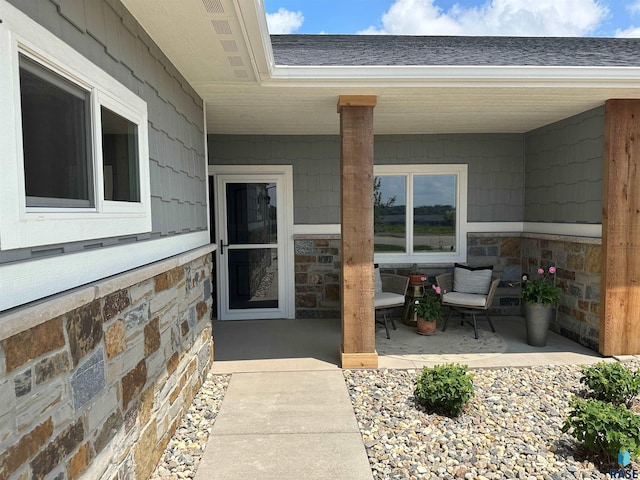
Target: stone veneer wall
x,y
317,270
317,266
502,251
578,262
99,390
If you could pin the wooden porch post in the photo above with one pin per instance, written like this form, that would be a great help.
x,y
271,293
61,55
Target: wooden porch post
x,y
358,348
620,275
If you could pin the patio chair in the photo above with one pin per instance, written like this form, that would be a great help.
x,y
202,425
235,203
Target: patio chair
x,y
468,291
390,291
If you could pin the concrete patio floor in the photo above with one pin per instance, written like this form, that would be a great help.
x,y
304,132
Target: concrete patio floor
x,y
313,344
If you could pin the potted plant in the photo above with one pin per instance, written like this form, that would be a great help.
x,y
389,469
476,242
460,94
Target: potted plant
x,y
428,311
415,276
540,295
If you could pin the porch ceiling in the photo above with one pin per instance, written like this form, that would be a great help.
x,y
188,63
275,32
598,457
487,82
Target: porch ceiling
x,y
223,49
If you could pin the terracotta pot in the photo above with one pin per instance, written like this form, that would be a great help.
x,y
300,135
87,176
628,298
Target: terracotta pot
x,y
425,327
416,279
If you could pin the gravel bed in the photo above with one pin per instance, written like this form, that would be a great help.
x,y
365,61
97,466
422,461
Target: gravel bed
x,y
509,429
184,451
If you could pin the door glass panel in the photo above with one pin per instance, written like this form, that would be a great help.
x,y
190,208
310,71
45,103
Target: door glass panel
x,y
253,278
434,213
251,213
389,211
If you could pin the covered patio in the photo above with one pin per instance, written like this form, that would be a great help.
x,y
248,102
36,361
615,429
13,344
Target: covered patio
x,y
310,344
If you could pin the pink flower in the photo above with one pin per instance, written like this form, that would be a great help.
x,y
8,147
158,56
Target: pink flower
x,y
541,271
552,269
437,289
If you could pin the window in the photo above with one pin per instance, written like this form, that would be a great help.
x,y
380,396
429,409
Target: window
x,y
420,213
56,140
119,158
74,143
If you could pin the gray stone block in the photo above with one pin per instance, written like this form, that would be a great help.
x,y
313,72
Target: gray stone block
x,y
136,317
88,380
22,382
304,247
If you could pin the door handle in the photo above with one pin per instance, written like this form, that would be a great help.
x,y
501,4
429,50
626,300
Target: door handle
x,y
222,246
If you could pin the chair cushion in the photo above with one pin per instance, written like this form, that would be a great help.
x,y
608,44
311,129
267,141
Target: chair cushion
x,y
388,299
464,299
471,281
377,280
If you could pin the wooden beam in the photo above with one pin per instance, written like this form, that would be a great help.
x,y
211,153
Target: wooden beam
x,y
356,101
356,167
620,276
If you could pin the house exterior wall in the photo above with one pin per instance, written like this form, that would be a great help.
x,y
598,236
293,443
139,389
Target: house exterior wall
x,y
96,382
496,168
94,379
495,194
317,276
316,168
108,35
573,150
578,261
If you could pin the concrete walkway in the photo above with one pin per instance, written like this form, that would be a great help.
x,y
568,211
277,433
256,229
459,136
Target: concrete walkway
x,y
287,413
285,425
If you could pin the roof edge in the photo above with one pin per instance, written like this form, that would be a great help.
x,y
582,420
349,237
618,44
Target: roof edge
x,y
596,77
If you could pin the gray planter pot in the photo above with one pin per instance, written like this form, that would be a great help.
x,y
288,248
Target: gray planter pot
x,y
537,320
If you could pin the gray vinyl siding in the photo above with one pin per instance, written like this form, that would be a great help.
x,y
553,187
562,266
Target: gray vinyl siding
x,y
564,170
108,35
315,161
496,163
495,168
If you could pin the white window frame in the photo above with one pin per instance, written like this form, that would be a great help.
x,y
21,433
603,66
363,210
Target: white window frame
x,y
22,226
409,171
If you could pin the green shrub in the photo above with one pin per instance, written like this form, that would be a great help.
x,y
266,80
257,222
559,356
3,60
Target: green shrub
x,y
444,388
611,382
605,429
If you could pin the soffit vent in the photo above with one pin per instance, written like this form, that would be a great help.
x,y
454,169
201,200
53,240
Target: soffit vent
x,y
235,61
213,6
229,45
221,27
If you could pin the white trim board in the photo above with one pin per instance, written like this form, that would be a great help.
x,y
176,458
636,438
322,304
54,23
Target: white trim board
x,y
33,314
24,282
311,229
568,229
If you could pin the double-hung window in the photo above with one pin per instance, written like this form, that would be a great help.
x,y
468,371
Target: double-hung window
x,y
420,213
74,144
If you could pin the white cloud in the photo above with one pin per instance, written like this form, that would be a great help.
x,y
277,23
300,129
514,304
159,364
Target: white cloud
x,y
495,17
634,7
284,21
631,32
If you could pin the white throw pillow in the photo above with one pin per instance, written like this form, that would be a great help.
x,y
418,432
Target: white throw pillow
x,y
471,281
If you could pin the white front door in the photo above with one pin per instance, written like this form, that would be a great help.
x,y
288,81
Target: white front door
x,y
254,220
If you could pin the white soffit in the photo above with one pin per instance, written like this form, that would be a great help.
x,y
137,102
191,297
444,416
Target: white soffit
x,y
203,38
223,49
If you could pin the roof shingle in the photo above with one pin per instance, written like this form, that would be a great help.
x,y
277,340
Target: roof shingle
x,y
396,50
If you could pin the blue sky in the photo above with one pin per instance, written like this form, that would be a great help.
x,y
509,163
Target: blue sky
x,y
602,18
